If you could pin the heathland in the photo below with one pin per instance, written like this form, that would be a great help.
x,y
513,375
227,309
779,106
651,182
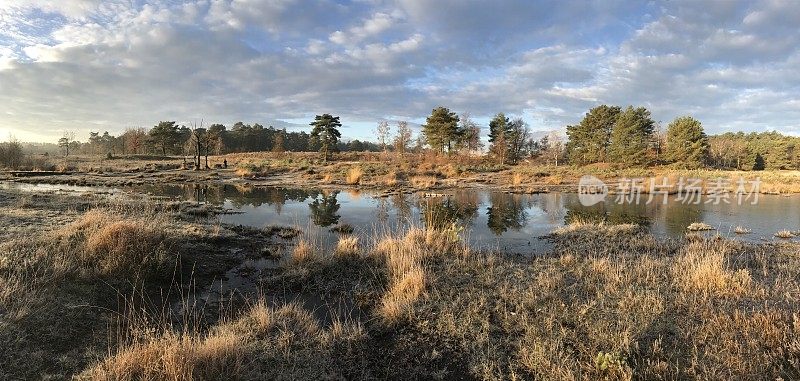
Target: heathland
x,y
96,286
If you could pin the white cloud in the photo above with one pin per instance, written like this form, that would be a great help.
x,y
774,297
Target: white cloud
x,y
111,64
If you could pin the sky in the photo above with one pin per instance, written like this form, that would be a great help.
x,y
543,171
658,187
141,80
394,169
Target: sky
x,y
104,65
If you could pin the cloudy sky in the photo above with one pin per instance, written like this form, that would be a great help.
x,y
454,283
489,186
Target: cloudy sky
x,y
88,65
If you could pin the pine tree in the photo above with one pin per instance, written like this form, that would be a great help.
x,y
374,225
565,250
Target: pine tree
x,y
687,144
325,133
441,129
630,137
498,136
589,140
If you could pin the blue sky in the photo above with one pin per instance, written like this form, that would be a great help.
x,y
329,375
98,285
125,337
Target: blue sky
x,y
91,65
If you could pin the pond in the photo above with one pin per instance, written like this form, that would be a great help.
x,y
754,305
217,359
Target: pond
x,y
493,220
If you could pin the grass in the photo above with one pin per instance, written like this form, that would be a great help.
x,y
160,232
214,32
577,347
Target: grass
x,y
603,302
303,252
699,226
423,182
410,170
347,247
354,175
785,234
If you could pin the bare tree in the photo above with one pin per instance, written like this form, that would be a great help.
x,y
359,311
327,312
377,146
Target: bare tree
x,y
196,142
554,147
383,133
470,134
402,137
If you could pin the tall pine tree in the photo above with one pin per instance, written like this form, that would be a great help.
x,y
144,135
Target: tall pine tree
x,y
441,129
325,133
631,136
498,136
687,144
589,140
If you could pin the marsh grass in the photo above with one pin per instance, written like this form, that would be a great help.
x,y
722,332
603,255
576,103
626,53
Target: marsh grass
x,y
423,181
255,344
699,226
606,302
354,176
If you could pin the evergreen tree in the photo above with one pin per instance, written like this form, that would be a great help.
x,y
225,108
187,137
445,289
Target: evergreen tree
x,y
498,131
687,144
325,133
589,140
630,137
165,134
441,129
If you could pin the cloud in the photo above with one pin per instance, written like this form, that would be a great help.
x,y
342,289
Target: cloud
x,y
91,65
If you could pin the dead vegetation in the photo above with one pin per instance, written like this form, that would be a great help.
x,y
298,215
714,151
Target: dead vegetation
x,y
607,302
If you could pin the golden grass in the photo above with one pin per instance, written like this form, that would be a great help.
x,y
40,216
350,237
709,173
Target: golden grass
x,y
403,292
390,179
347,247
701,267
516,179
405,257
423,181
113,243
741,230
222,353
785,234
354,175
699,226
303,252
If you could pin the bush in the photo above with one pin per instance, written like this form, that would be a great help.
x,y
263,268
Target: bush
x,y
11,155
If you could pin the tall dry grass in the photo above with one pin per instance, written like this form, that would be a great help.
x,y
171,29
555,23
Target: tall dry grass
x,y
112,243
354,175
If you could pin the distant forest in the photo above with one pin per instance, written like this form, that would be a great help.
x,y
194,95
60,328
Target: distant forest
x,y
606,134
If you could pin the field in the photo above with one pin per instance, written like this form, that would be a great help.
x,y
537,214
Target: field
x,y
96,287
383,171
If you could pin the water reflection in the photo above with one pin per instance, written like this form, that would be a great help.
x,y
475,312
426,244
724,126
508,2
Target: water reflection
x,y
441,212
507,221
323,210
507,211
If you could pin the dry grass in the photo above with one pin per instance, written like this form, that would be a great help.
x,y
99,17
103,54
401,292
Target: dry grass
x,y
303,253
347,247
741,230
390,179
701,267
405,258
354,175
516,179
699,226
405,289
227,351
113,243
423,181
785,234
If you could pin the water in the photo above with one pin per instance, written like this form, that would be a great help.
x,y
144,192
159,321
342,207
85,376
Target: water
x,y
493,220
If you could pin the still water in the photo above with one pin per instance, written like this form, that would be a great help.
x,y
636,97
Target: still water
x,y
492,220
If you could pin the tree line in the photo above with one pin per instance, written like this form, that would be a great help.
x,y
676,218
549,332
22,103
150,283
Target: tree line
x,y
610,134
606,134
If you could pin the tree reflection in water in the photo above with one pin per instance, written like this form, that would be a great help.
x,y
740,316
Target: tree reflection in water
x,y
442,212
323,210
507,211
600,213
